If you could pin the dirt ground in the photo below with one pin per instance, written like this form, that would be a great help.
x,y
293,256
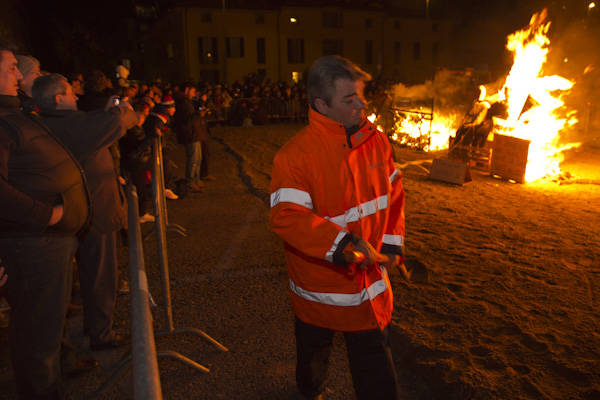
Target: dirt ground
x,y
509,310
510,307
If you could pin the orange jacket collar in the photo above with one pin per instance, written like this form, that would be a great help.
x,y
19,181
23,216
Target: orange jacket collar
x,y
326,124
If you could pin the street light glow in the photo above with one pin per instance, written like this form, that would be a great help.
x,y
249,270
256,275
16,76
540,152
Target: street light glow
x,y
591,5
293,20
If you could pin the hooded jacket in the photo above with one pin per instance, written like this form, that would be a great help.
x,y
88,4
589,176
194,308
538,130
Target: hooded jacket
x,y
326,187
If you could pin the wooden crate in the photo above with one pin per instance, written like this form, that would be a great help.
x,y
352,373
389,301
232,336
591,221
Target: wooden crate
x,y
509,157
450,171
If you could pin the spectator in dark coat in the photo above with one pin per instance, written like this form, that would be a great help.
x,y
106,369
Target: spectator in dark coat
x,y
189,129
88,136
43,205
156,127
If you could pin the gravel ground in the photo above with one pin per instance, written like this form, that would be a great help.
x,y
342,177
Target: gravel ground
x,y
508,310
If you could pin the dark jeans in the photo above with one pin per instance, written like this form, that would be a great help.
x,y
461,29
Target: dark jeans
x,y
205,159
39,290
371,365
193,152
98,276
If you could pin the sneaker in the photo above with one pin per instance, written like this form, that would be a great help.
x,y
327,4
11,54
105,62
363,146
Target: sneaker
x,y
199,184
169,194
208,178
146,218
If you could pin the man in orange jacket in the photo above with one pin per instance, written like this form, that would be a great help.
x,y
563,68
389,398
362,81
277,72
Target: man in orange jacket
x,y
334,192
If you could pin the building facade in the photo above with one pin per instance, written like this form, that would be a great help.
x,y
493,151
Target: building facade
x,y
224,45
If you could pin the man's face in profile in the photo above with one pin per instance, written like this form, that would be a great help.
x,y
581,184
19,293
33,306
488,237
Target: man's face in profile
x,y
347,103
9,74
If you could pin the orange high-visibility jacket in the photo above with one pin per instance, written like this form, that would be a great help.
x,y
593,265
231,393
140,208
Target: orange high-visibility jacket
x,y
324,187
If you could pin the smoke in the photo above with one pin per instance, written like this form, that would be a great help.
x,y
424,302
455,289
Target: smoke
x,y
574,55
450,95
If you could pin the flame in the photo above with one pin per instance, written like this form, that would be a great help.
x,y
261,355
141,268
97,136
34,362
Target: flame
x,y
415,129
534,101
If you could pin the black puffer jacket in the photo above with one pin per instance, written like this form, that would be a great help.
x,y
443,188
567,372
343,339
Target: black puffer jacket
x,y
37,172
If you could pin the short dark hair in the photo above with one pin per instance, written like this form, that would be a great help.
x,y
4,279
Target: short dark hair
x,y
46,87
322,75
5,45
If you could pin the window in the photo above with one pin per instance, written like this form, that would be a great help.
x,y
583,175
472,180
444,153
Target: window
x,y
417,51
170,51
368,23
368,52
206,17
295,51
435,53
396,24
295,76
261,52
333,46
397,52
259,19
332,19
208,50
235,47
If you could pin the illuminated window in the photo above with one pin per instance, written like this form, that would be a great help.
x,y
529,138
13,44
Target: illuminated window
x,y
207,50
295,76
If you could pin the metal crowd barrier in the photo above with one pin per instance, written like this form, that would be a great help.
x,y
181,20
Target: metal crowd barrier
x,y
160,228
146,380
143,353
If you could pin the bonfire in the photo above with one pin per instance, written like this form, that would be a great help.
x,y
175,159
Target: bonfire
x,y
534,101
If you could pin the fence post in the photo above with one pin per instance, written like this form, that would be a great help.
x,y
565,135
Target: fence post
x,y
146,381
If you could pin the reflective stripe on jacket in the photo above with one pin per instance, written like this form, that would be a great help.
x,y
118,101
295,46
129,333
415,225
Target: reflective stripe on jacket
x,y
322,189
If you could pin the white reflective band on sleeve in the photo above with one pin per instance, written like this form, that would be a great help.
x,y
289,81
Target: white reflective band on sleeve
x,y
291,195
362,210
394,175
341,299
336,242
395,240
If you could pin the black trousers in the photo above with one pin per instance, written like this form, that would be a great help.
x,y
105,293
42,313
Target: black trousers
x,y
98,277
39,289
205,159
371,365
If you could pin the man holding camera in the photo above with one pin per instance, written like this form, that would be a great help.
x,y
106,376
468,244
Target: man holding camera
x,y
88,135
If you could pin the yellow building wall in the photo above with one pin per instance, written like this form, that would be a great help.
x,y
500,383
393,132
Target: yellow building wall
x,y
277,28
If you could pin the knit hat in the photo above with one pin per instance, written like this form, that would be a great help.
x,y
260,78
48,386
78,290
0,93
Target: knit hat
x,y
167,101
26,64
